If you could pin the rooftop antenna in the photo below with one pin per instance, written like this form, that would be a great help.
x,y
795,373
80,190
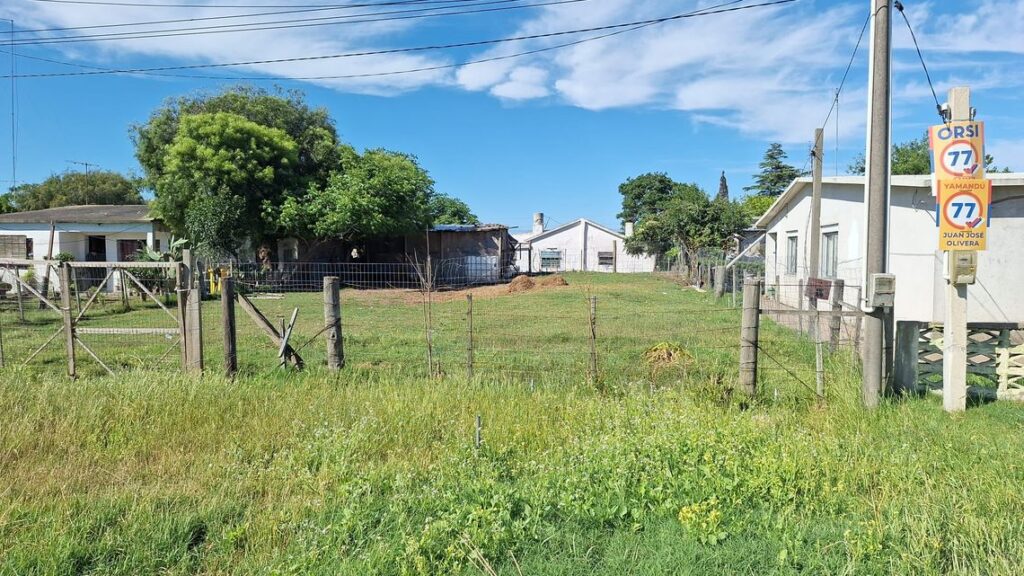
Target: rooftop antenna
x,y
86,164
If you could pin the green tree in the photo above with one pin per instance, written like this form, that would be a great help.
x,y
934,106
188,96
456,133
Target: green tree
x,y
218,162
755,205
76,188
6,205
382,193
776,175
447,210
645,196
913,157
318,151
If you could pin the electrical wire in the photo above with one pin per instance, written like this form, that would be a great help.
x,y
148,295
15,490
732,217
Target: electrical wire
x,y
938,107
295,23
225,6
635,24
250,15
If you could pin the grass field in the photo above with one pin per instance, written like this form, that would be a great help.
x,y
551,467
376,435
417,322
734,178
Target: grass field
x,y
373,470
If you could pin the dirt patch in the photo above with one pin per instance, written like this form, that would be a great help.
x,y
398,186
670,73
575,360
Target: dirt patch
x,y
555,280
521,284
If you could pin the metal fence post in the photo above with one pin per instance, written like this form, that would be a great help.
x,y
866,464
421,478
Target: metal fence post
x,y
593,339
227,301
835,323
332,319
469,336
749,336
65,312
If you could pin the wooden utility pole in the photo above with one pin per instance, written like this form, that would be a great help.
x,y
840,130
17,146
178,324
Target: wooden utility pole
x,y
49,256
332,321
814,242
748,336
954,328
227,302
65,312
877,199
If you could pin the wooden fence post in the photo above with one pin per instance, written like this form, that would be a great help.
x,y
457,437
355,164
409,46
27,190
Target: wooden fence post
x,y
332,320
469,336
749,335
734,286
65,312
907,350
227,302
819,371
593,339
181,294
124,289
800,306
719,281
835,323
194,327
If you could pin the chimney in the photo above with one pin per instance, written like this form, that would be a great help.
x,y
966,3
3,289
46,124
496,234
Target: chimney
x,y
538,222
627,229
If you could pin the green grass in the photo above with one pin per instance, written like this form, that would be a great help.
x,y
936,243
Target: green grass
x,y
374,470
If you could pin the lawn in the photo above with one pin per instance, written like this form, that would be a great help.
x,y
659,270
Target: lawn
x,y
645,469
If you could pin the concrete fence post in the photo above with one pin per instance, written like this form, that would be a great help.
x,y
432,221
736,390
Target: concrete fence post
x,y
719,281
749,335
835,323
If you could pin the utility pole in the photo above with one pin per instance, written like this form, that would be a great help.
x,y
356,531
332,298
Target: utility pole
x,y
814,266
877,190
954,328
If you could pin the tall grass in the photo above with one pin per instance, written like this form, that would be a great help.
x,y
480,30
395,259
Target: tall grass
x,y
370,472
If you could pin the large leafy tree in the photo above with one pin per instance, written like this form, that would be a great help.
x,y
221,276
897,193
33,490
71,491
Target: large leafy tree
x,y
775,174
645,196
381,193
755,205
683,218
914,157
224,177
75,188
447,210
317,149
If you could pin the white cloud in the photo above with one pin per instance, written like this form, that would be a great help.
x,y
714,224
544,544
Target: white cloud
x,y
523,83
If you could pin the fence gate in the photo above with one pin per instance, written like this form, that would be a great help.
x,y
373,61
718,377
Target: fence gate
x,y
31,317
125,314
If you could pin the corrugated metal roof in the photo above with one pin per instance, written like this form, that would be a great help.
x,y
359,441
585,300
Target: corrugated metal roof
x,y
468,227
88,214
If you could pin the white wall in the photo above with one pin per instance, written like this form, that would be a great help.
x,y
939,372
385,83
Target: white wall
x,y
580,245
73,239
913,254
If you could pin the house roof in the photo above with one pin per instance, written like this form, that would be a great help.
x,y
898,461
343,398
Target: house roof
x,y
89,214
897,181
567,225
468,227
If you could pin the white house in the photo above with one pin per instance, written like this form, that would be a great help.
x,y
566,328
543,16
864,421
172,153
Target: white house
x,y
91,233
580,245
913,246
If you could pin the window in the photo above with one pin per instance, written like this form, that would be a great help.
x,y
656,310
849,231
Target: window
x,y
156,244
791,254
29,249
829,254
606,258
13,246
550,259
128,250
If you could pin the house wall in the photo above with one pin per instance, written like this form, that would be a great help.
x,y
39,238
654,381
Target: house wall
x,y
580,245
73,239
913,257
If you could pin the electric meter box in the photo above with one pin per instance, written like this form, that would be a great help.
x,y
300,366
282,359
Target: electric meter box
x,y
882,290
962,267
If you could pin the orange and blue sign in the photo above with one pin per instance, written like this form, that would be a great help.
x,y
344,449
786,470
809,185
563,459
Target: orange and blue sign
x,y
963,213
958,150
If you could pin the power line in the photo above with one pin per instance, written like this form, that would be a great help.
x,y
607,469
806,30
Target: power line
x,y
388,73
938,107
295,23
250,15
639,23
226,6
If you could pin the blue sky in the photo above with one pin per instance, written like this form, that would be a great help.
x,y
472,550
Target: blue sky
x,y
555,131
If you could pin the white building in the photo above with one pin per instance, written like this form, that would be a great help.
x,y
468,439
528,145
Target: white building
x,y
92,233
913,246
580,245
